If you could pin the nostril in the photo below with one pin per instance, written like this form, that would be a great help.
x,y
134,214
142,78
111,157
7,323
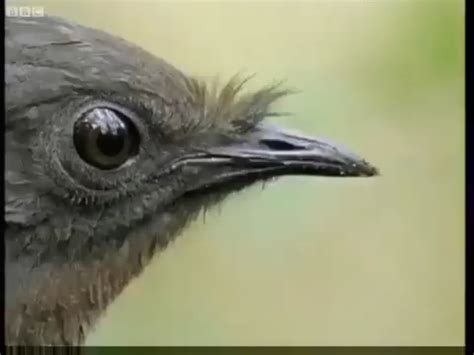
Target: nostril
x,y
275,144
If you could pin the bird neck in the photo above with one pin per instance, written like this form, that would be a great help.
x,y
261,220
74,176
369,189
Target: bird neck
x,y
59,303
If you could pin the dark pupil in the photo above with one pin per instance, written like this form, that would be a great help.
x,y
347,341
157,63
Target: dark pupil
x,y
111,142
105,138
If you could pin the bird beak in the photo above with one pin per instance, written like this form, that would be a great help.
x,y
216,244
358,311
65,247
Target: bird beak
x,y
271,151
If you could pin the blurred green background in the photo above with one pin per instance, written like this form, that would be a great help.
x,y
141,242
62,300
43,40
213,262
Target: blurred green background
x,y
314,261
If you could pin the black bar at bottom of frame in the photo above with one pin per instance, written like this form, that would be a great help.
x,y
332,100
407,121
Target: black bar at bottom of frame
x,y
238,350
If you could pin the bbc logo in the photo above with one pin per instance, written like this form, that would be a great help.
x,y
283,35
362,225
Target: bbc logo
x,y
24,11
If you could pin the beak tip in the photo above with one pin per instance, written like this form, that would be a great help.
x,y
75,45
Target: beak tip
x,y
360,168
368,170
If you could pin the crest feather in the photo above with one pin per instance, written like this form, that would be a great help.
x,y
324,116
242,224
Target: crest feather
x,y
230,106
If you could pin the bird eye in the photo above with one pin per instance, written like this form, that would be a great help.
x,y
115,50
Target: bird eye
x,y
105,138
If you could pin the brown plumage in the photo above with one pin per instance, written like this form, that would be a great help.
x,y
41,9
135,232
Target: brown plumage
x,y
110,151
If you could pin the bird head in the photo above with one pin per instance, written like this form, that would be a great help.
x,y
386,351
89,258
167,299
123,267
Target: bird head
x,y
110,151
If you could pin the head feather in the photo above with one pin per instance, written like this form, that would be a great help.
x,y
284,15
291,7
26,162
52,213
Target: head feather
x,y
229,107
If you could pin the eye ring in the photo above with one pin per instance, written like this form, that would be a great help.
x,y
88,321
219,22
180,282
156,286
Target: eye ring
x,y
105,138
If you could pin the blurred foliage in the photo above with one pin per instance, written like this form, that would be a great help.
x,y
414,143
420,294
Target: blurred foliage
x,y
315,261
